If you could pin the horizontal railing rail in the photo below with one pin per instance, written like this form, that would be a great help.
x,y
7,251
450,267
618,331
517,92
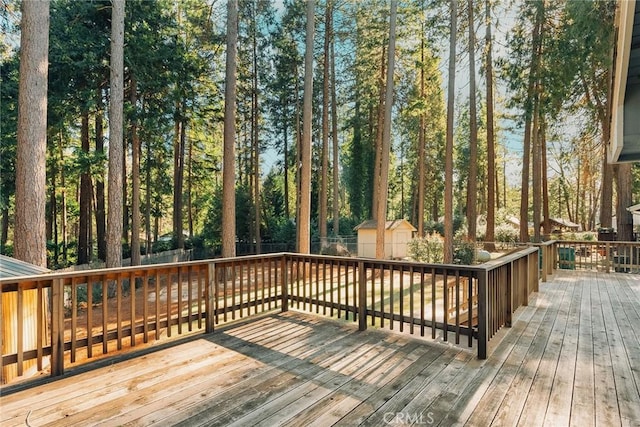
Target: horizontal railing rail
x,y
605,256
70,317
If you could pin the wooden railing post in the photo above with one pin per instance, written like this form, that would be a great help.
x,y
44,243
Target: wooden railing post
x,y
483,315
362,296
210,298
512,292
57,327
544,253
284,285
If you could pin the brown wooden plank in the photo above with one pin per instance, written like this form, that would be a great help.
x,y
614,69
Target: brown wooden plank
x,y
299,369
416,387
75,388
344,398
623,346
607,412
135,381
300,386
583,404
538,397
560,401
225,394
409,367
457,402
493,402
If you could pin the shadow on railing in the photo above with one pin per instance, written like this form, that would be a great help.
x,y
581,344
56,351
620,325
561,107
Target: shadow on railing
x,y
65,319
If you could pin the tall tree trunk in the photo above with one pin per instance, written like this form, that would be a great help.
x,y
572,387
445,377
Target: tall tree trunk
x,y
5,228
381,216
537,169
114,216
32,134
304,220
285,166
472,187
491,148
448,167
190,188
101,220
125,189
298,169
135,178
256,143
84,245
421,139
324,174
528,127
63,203
334,135
178,185
606,200
228,168
546,220
52,225
378,141
624,192
147,210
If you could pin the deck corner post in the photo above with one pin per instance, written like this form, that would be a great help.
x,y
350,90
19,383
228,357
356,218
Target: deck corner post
x,y
362,296
483,315
57,327
284,285
210,298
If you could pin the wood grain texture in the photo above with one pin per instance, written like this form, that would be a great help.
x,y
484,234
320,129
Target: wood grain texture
x,y
572,357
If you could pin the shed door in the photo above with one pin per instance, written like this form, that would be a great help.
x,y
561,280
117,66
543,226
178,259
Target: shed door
x,y
402,238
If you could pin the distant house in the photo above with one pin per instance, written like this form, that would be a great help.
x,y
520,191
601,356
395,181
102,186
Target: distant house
x,y
559,225
635,211
396,237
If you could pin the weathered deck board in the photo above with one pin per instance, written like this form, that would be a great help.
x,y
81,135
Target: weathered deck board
x,y
572,357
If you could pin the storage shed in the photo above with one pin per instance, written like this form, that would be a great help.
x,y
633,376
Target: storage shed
x,y
10,267
396,237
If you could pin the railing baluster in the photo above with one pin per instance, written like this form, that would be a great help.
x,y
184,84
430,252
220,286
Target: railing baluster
x,y
132,301
40,327
105,295
362,296
145,307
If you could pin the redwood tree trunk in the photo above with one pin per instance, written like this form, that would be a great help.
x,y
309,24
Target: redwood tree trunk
x,y
101,221
228,168
84,244
32,134
135,179
304,218
114,216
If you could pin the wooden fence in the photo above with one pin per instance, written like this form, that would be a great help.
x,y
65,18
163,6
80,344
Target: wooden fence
x,y
91,314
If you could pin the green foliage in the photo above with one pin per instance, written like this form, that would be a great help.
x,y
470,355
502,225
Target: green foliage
x,y
506,233
212,228
428,249
464,252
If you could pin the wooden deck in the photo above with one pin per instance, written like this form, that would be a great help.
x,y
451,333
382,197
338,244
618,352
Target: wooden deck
x,y
572,357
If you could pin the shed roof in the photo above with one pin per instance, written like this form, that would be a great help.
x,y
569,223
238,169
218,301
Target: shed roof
x,y
371,224
11,267
564,223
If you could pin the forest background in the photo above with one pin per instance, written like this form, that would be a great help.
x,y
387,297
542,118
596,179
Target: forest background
x,y
519,89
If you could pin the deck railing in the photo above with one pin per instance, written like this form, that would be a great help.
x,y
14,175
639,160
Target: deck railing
x,y
68,318
606,256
